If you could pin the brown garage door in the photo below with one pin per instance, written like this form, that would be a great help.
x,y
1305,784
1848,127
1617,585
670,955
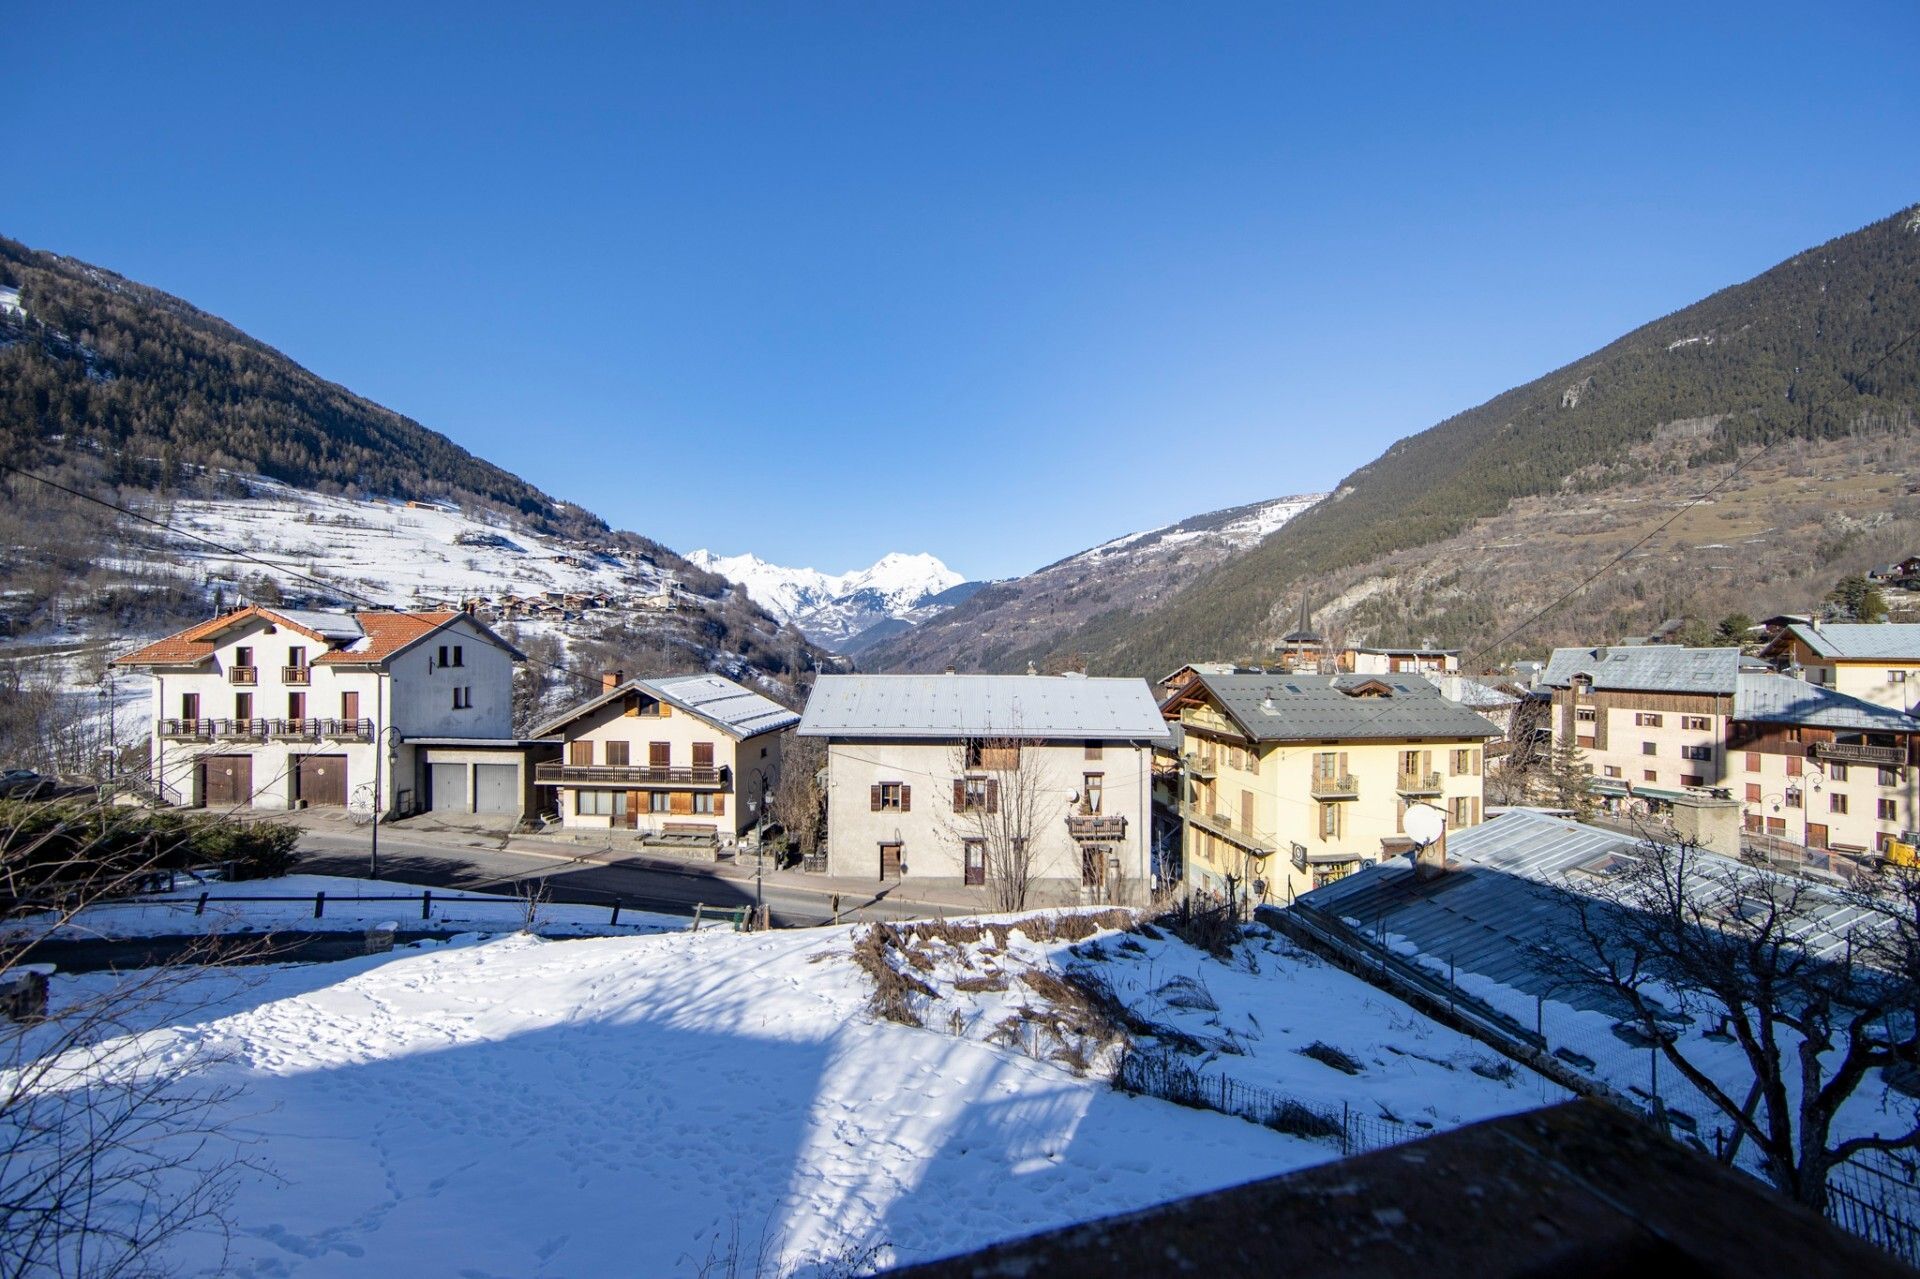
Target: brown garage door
x,y
227,780
321,780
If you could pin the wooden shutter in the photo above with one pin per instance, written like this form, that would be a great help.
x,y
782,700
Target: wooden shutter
x,y
580,754
350,705
1341,769
617,753
665,710
659,754
906,798
703,754
959,794
873,798
993,794
720,804
682,802
1476,763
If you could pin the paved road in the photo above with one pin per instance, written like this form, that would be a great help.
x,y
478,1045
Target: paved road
x,y
479,864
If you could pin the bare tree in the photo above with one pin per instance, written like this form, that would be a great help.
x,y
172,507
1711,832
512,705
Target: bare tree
x,y
1814,992
1002,791
799,799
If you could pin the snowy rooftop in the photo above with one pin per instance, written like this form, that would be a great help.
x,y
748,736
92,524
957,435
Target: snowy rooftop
x,y
1654,668
1884,641
952,706
721,702
1783,700
1283,707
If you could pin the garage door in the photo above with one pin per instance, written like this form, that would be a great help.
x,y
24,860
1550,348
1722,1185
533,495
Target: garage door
x,y
496,788
321,780
228,780
449,782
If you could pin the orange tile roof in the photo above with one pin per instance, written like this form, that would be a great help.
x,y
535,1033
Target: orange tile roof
x,y
184,648
387,634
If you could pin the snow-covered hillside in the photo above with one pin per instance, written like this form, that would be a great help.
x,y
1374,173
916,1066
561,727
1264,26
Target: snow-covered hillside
x,y
832,608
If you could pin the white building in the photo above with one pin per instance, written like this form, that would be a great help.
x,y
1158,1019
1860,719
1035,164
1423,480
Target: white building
x,y
285,708
923,770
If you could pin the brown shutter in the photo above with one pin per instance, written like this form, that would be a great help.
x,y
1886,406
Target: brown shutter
x,y
1476,763
959,794
681,802
993,794
1342,770
720,804
580,754
703,754
665,710
906,798
873,798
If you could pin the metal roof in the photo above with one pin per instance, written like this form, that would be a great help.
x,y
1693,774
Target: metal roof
x,y
1495,904
335,626
1863,641
947,707
1780,699
1649,668
728,706
1279,707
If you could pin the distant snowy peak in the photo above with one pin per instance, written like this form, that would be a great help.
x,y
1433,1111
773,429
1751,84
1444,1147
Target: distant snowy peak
x,y
1237,527
831,608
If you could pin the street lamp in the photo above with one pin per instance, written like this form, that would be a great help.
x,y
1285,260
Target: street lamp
x,y
385,736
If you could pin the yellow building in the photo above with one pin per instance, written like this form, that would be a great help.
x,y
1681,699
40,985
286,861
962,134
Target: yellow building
x,y
1292,780
1878,663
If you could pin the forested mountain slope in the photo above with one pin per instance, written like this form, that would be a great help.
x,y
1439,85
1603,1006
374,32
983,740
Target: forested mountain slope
x,y
1457,532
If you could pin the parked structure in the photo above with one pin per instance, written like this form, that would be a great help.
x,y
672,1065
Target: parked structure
x,y
1292,780
928,774
1877,662
688,755
290,708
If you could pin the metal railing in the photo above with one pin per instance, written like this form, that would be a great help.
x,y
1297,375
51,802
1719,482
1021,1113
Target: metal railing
x,y
1340,786
313,730
625,775
1418,783
1223,825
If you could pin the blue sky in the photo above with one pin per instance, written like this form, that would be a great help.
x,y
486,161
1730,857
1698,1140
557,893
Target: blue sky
x,y
992,281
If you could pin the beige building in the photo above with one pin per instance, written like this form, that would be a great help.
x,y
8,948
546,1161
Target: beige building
x,y
972,781
1821,769
1878,663
1651,720
692,755
1293,780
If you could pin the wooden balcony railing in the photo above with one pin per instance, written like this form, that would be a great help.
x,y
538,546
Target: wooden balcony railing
x,y
314,730
296,675
1100,826
1223,825
1418,784
627,775
243,674
1343,786
259,730
207,730
1853,753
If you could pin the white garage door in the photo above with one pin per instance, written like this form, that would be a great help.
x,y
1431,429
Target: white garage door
x,y
496,788
449,783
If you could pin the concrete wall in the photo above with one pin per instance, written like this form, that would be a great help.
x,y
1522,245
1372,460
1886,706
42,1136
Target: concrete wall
x,y
424,690
931,833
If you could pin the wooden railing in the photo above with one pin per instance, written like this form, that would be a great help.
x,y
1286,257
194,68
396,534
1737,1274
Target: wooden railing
x,y
1223,825
313,730
207,730
1342,786
1102,826
628,775
1854,753
296,675
1418,783
243,674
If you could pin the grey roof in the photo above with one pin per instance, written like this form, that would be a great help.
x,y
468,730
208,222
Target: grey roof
x,y
1780,699
947,707
1867,641
738,711
1486,914
1278,707
1648,668
334,626
1470,692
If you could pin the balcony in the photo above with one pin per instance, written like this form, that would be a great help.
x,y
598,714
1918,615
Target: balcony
x,y
1256,842
1850,753
1418,783
243,674
1200,767
316,730
211,730
1106,828
296,675
1342,786
625,775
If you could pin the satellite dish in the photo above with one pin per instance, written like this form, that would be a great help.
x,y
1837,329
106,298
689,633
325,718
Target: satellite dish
x,y
1425,824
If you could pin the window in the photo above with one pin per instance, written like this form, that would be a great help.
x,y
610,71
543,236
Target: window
x,y
1889,810
1696,723
189,706
459,655
297,656
1794,765
1326,765
580,754
1462,814
659,801
1613,770
349,704
703,754
1692,779
888,797
993,755
1648,719
1092,791
703,801
1649,775
1793,797
976,795
1093,866
1753,792
1776,826
1696,752
1649,748
1838,772
1095,750
975,858
444,651
1329,821
1896,677
243,656
243,705
463,698
1889,777
1461,763
1837,802
1586,714
617,753
1753,761
600,803
296,705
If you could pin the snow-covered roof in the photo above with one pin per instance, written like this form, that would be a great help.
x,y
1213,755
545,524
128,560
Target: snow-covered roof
x,y
947,707
330,624
1279,707
728,706
1651,668
1780,699
1862,641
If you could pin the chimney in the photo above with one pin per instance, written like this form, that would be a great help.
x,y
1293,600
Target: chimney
x,y
1430,860
1032,669
949,670
610,680
1815,622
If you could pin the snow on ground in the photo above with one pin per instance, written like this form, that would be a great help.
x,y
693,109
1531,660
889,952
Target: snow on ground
x,y
630,1105
351,905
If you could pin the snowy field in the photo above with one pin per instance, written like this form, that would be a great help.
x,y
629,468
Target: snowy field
x,y
628,1106
351,905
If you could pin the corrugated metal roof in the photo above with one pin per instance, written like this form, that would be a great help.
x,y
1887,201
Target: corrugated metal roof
x,y
1863,641
728,706
1650,668
1279,707
334,626
955,706
1779,699
1487,914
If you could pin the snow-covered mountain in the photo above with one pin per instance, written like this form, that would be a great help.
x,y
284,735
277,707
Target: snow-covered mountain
x,y
832,608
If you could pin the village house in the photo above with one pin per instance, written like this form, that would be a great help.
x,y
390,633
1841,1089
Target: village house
x,y
392,712
1292,780
1365,660
1821,769
1651,720
1879,663
682,755
938,780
